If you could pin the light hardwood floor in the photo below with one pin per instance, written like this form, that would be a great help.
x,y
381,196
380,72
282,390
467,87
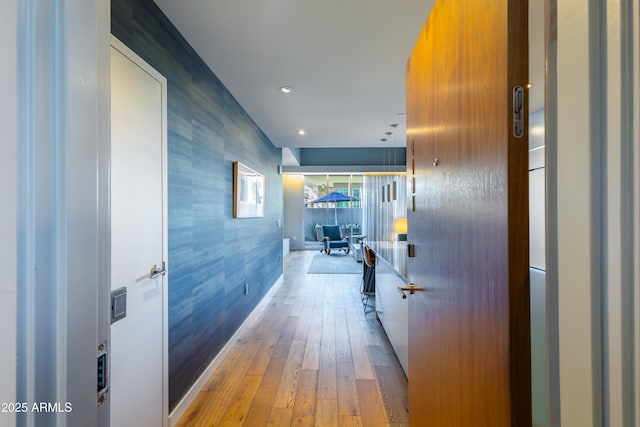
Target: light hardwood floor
x,y
309,358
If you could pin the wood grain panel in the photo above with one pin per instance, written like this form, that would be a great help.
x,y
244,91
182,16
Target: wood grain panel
x,y
311,358
343,345
327,383
269,342
281,391
304,409
286,394
236,412
469,335
327,386
348,403
221,389
327,413
361,361
371,409
393,386
280,417
262,403
349,421
286,338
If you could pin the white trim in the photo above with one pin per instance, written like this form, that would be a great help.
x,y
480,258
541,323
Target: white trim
x,y
104,208
569,167
133,57
201,382
61,109
165,257
612,316
597,323
551,205
9,197
636,204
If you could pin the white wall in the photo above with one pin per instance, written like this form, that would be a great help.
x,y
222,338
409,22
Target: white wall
x,y
592,267
572,213
54,99
537,235
8,156
537,273
636,206
293,199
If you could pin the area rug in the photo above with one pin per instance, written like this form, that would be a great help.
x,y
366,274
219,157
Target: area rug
x,y
336,263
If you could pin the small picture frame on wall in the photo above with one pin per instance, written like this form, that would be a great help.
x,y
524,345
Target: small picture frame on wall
x,y
248,192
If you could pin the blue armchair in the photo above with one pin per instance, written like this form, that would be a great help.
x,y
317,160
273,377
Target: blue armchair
x,y
333,239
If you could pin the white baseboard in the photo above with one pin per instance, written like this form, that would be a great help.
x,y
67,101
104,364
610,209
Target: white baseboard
x,y
285,246
200,383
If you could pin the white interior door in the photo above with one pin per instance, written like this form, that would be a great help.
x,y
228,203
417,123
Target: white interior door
x,y
138,240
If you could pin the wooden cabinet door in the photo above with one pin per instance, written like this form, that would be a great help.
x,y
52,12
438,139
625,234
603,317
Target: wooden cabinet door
x,y
469,339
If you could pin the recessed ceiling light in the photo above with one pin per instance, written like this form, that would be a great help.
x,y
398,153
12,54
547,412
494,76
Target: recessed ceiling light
x,y
286,89
301,132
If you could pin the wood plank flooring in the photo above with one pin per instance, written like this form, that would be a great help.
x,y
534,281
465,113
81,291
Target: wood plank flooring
x,y
309,358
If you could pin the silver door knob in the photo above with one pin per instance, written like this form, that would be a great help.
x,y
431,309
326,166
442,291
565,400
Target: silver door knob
x,y
157,271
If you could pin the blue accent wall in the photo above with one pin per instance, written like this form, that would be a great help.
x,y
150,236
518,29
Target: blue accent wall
x,y
353,156
211,255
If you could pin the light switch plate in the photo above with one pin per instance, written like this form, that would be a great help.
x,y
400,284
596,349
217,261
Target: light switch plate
x,y
118,304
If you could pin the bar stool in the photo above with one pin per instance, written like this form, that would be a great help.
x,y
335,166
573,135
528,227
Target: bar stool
x,y
368,288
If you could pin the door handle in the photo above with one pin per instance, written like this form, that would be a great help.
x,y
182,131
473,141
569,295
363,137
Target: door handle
x,y
157,271
411,288
399,288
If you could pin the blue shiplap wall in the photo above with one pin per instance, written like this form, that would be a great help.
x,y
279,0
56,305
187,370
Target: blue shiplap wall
x,y
211,255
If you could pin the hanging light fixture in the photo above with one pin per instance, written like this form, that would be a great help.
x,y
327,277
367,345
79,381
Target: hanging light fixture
x,y
388,184
383,169
395,182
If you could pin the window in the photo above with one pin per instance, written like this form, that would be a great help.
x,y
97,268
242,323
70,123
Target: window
x,y
348,214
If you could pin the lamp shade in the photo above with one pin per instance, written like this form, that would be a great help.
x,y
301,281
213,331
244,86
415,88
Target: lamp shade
x,y
401,225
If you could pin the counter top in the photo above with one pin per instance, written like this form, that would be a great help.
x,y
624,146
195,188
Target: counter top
x,y
393,252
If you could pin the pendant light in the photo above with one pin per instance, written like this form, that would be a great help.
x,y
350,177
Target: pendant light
x,y
388,184
395,180
384,199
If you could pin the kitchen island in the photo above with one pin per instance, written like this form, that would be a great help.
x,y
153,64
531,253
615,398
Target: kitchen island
x,y
391,307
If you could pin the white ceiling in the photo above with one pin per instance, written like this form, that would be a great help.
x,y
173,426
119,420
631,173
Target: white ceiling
x,y
345,60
